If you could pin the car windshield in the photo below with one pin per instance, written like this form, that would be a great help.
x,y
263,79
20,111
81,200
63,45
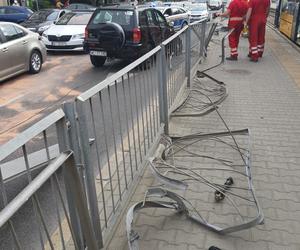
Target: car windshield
x,y
214,2
198,8
74,19
80,7
121,17
48,15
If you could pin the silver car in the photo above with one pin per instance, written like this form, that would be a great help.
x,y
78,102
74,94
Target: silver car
x,y
20,50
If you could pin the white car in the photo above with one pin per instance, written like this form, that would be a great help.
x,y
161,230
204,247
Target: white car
x,y
198,12
176,14
68,32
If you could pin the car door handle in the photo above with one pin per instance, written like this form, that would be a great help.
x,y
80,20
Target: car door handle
x,y
24,42
4,49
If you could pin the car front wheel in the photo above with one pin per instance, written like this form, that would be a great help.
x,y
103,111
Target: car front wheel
x,y
98,61
35,63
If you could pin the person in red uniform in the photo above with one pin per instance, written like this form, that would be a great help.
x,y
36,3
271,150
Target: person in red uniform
x,y
236,11
256,18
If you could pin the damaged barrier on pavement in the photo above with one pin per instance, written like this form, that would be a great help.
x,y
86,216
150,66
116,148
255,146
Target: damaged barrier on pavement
x,y
218,173
202,98
204,95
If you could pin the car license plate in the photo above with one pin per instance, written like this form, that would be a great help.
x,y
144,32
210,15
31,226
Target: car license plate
x,y
59,43
98,53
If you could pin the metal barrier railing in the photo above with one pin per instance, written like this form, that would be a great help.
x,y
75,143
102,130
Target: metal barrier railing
x,y
122,114
111,129
62,189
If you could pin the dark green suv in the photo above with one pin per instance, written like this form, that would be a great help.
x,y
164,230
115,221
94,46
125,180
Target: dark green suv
x,y
124,32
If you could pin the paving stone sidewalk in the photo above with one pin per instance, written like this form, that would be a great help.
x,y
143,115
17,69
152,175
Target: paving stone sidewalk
x,y
265,98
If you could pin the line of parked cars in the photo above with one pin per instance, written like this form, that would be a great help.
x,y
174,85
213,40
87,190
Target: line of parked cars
x,y
117,31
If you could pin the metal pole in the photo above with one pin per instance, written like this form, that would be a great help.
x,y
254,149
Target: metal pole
x,y
81,205
63,143
37,4
188,56
203,30
163,95
89,170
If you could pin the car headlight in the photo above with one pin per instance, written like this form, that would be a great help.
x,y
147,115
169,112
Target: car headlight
x,y
44,35
78,36
43,28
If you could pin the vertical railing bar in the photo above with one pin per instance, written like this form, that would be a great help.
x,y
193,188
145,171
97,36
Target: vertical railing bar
x,y
142,114
148,83
157,90
146,108
90,233
163,89
127,127
121,135
155,96
98,161
184,56
5,201
35,197
137,114
173,73
176,76
188,56
15,237
106,150
58,214
53,191
132,120
32,199
74,224
74,140
168,75
65,210
152,95
114,140
203,30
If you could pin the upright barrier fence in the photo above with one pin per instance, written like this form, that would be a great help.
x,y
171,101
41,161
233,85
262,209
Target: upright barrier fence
x,y
101,143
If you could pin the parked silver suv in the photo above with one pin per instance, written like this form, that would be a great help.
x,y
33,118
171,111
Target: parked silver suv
x,y
20,50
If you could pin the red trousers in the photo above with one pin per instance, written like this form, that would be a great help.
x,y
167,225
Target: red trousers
x,y
234,37
257,30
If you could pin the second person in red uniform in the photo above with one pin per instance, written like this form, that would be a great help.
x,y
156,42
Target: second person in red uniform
x,y
256,18
236,11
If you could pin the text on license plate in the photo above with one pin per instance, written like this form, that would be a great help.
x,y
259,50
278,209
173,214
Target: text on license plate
x,y
98,53
59,43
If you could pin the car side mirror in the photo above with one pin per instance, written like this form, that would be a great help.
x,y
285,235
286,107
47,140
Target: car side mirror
x,y
54,22
171,23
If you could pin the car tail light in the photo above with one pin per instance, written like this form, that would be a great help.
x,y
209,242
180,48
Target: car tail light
x,y
137,35
86,33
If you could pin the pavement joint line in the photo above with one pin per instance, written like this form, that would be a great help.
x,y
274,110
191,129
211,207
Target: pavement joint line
x,y
11,100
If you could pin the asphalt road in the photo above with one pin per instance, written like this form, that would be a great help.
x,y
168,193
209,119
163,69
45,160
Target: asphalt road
x,y
27,98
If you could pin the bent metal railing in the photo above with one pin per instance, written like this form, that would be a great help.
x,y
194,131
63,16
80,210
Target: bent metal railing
x,y
57,190
111,129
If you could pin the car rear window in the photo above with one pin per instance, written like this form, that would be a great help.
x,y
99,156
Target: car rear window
x,y
74,19
44,15
122,17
